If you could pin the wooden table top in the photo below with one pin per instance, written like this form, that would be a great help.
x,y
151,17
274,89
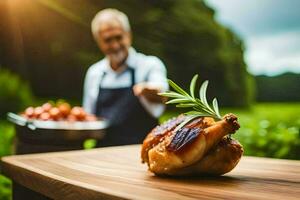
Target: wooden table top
x,y
117,173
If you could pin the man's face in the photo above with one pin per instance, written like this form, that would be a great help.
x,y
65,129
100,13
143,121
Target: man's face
x,y
114,42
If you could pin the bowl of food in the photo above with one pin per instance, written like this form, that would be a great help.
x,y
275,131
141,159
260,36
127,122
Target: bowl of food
x,y
57,125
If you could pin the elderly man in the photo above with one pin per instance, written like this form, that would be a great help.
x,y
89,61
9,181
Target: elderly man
x,y
123,86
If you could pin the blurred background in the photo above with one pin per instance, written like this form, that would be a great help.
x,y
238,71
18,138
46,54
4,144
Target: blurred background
x,y
248,50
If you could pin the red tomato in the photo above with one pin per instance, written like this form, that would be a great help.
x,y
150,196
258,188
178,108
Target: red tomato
x,y
78,112
55,113
46,107
38,111
65,109
45,116
29,112
71,118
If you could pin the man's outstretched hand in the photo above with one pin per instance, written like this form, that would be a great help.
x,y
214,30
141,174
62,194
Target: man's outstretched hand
x,y
149,92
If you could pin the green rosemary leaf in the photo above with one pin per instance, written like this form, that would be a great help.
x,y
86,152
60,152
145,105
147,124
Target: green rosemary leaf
x,y
202,93
205,115
190,118
178,101
171,94
186,121
199,106
193,113
203,109
216,107
177,88
186,105
192,86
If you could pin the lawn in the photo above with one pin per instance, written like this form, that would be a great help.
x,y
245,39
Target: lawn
x,y
267,129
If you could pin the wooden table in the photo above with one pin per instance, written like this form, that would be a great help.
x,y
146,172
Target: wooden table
x,y
117,173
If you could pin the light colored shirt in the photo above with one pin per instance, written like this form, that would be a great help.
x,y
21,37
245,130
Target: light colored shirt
x,y
148,69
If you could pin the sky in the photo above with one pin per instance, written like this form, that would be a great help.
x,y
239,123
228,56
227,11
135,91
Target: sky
x,y
270,30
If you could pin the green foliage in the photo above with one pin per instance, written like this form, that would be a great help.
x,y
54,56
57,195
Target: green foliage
x,y
199,106
267,130
270,130
284,87
5,188
15,94
7,133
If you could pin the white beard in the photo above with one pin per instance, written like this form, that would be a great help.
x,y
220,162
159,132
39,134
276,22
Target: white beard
x,y
117,57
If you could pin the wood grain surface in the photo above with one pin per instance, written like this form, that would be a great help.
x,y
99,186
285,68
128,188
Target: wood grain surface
x,y
117,173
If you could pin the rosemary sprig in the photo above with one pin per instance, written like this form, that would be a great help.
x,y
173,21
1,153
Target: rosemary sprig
x,y
200,106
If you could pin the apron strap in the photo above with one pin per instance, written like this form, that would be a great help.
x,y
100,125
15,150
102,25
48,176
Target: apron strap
x,y
99,88
101,79
132,73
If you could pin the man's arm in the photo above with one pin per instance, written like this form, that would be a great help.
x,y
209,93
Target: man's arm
x,y
156,82
89,100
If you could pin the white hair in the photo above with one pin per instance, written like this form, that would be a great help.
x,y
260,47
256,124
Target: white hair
x,y
107,15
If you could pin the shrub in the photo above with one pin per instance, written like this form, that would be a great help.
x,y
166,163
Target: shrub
x,y
5,188
270,130
15,94
7,133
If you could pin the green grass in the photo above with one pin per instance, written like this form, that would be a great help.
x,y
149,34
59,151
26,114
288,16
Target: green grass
x,y
270,130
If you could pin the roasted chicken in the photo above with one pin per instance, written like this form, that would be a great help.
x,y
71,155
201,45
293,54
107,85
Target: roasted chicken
x,y
200,147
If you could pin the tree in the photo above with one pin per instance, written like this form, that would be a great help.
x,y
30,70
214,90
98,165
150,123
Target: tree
x,y
184,34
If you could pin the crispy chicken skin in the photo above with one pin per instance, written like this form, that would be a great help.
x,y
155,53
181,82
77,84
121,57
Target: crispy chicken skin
x,y
161,132
158,134
200,147
220,160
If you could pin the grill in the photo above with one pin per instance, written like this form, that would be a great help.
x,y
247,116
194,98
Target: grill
x,y
36,136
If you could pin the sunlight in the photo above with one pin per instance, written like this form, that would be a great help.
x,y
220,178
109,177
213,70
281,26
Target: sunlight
x,y
55,6
15,3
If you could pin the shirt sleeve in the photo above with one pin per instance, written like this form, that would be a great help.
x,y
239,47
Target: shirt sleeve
x,y
156,77
89,99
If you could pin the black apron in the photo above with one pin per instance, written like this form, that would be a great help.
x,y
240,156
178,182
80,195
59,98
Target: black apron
x,y
130,122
